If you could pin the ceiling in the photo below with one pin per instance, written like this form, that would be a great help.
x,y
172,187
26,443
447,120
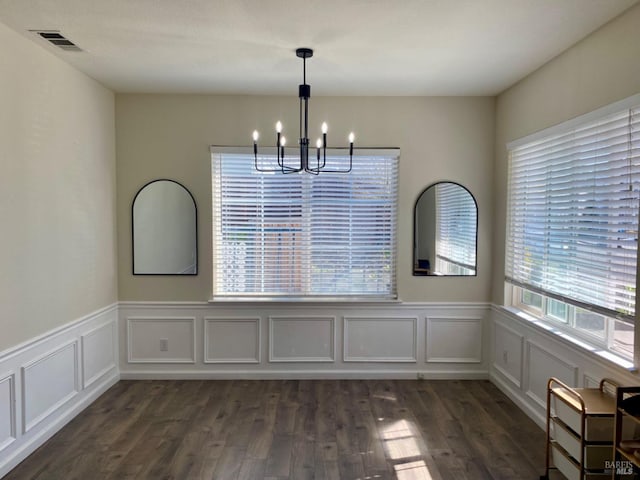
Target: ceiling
x,y
362,47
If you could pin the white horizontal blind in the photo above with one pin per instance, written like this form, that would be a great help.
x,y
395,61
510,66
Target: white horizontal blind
x,y
303,235
572,229
456,224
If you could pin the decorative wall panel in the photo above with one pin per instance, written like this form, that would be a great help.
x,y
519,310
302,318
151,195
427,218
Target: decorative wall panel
x,y
380,339
507,353
161,340
231,340
98,353
48,383
454,340
7,410
301,339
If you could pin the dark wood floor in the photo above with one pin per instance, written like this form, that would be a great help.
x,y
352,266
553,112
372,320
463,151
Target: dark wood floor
x,y
342,429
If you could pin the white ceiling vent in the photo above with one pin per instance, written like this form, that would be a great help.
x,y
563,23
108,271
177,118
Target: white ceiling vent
x,y
55,38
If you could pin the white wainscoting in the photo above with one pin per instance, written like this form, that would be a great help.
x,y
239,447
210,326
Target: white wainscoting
x,y
380,339
454,340
508,352
40,395
540,361
303,340
98,355
232,340
7,410
161,339
589,381
48,380
524,356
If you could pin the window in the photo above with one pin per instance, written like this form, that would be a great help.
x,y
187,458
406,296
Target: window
x,y
597,329
572,226
302,235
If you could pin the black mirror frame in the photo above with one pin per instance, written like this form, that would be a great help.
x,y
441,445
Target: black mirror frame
x,y
415,206
195,206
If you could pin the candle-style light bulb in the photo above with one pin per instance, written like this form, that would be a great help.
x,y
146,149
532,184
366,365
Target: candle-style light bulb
x,y
318,144
352,137
278,127
325,128
283,141
256,135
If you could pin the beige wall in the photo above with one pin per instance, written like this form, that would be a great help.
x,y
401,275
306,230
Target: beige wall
x,y
168,136
57,192
601,69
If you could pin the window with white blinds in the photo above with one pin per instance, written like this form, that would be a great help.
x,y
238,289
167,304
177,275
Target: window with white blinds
x,y
301,235
572,226
456,225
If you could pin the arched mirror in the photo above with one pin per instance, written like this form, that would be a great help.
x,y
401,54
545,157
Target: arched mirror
x,y
445,231
165,231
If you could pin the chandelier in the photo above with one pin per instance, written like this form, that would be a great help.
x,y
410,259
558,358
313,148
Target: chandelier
x,y
290,164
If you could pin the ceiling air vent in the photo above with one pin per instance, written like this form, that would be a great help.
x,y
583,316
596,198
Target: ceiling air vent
x,y
54,37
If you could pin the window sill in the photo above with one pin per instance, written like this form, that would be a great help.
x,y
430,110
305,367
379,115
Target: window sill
x,y
580,343
306,300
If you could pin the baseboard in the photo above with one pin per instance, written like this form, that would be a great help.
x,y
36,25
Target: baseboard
x,y
303,375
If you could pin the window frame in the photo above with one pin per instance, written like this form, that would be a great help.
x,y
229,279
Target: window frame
x,y
393,153
607,341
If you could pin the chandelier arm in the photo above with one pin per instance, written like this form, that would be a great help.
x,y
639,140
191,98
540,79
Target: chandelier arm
x,y
290,170
323,170
286,168
281,166
324,150
266,170
280,162
255,159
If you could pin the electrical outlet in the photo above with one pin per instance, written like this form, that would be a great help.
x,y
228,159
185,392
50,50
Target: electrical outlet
x,y
421,376
164,344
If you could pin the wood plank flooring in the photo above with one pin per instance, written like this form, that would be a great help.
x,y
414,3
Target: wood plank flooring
x,y
298,430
